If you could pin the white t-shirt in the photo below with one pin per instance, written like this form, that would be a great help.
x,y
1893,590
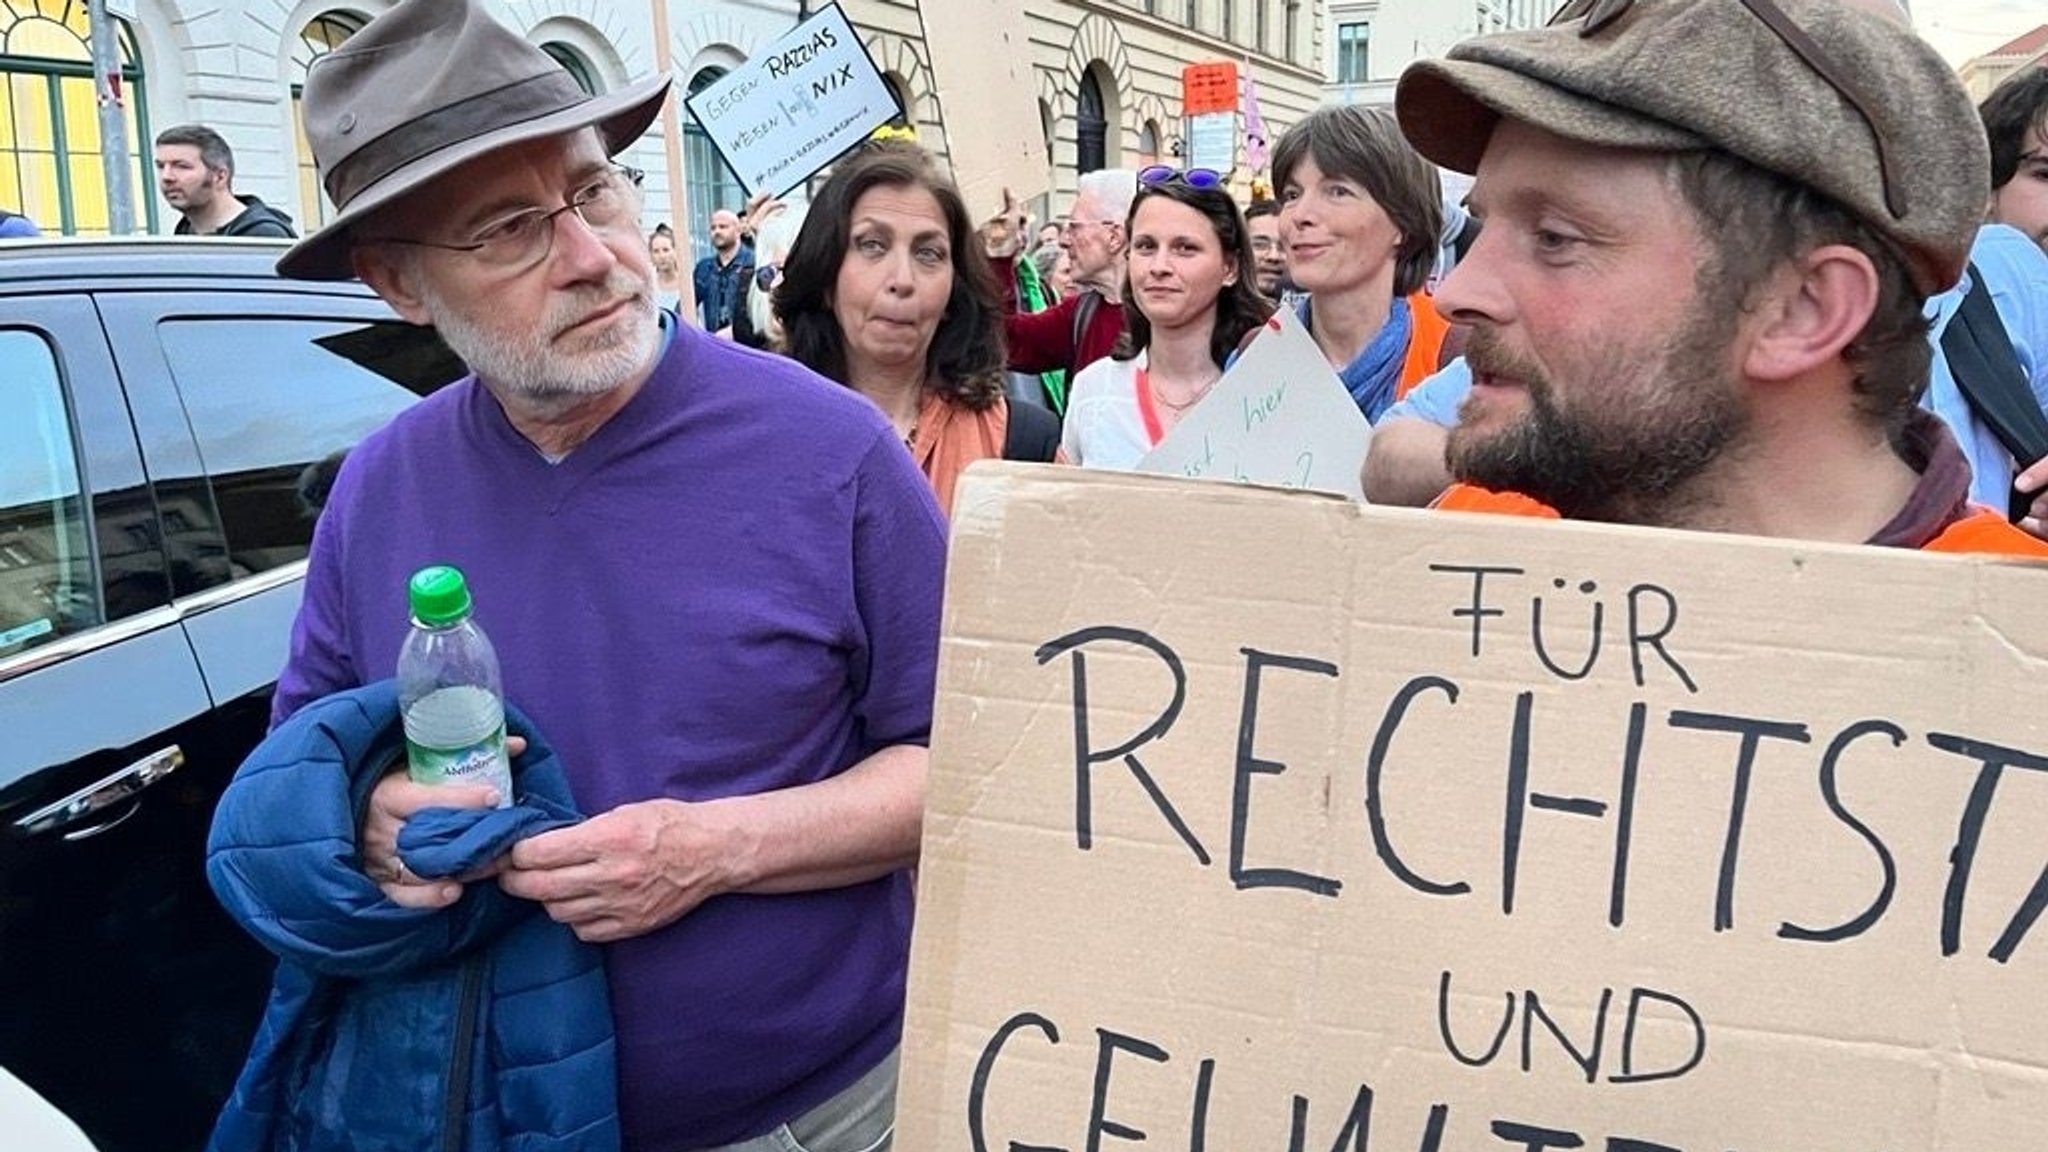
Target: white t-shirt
x,y
1106,416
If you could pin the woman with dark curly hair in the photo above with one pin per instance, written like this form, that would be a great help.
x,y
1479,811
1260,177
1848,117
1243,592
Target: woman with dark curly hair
x,y
886,290
1190,298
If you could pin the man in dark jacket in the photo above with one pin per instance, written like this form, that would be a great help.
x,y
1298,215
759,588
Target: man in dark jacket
x,y
195,170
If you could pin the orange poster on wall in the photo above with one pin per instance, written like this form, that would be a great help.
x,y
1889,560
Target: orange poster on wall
x,y
1208,88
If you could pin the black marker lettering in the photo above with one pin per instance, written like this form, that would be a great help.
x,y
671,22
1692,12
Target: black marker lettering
x,y
1085,754
1995,759
1375,769
1249,765
1099,1124
977,1089
1753,732
1478,613
1543,650
1638,639
1831,793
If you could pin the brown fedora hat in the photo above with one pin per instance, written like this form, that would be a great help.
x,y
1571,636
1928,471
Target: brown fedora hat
x,y
424,88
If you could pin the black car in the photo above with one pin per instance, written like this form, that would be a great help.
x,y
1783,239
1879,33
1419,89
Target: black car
x,y
170,415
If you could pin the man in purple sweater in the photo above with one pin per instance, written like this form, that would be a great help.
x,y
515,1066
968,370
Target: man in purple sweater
x,y
712,579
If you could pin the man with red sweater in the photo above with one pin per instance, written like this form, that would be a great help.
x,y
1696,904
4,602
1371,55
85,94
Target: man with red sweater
x,y
1085,325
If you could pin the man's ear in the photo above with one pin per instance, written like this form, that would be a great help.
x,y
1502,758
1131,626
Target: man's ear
x,y
391,279
1812,309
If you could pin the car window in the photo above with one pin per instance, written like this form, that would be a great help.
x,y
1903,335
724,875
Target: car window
x,y
273,409
47,585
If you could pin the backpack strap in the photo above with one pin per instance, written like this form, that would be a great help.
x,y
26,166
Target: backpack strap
x,y
1981,358
1084,317
1031,434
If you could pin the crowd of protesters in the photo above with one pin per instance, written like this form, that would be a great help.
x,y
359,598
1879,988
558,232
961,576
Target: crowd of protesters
x,y
714,571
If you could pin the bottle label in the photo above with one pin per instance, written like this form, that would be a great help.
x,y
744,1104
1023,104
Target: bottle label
x,y
483,762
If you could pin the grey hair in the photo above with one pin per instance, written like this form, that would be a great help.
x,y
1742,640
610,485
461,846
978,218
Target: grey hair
x,y
772,241
1113,188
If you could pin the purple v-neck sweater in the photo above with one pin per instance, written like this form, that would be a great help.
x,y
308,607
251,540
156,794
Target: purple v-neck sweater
x,y
733,587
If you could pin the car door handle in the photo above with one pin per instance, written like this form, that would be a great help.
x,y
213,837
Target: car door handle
x,y
69,815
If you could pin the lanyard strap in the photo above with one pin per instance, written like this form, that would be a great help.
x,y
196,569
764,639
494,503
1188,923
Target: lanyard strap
x,y
1154,433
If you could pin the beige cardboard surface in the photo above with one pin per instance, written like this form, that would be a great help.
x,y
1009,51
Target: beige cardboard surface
x,y
1361,757
988,94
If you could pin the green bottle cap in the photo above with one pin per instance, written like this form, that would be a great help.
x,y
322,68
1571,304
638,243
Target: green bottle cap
x,y
439,596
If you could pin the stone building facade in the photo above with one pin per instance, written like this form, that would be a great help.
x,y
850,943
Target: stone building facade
x,y
1107,74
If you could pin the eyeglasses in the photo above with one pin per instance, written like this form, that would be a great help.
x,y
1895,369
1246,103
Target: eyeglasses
x,y
766,275
1071,225
519,242
1158,174
1598,14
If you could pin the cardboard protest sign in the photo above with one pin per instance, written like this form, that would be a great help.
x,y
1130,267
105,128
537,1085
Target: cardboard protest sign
x,y
1279,416
790,111
1269,820
988,94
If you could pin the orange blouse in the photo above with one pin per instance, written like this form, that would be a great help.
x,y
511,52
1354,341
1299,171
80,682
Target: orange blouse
x,y
949,437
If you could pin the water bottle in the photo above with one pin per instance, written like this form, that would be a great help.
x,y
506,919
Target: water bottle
x,y
449,689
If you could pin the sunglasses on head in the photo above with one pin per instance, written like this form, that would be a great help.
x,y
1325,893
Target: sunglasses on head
x,y
1159,174
1598,14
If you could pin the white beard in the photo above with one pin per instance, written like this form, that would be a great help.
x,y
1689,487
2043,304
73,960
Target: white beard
x,y
523,363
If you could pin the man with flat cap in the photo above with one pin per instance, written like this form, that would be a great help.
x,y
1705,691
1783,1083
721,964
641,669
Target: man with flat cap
x,y
1697,300
711,577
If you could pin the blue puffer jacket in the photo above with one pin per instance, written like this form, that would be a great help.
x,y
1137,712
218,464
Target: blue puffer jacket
x,y
482,1027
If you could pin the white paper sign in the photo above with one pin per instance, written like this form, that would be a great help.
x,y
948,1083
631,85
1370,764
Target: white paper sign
x,y
1212,141
1279,416
793,109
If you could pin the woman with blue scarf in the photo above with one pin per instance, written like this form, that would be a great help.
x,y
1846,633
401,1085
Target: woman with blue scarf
x,y
1360,214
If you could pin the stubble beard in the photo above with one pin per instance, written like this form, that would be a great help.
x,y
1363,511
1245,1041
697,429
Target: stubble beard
x,y
1634,455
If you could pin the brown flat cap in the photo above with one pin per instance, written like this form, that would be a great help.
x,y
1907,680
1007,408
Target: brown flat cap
x,y
1893,136
428,86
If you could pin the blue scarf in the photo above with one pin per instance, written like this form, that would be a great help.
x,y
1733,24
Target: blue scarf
x,y
1372,377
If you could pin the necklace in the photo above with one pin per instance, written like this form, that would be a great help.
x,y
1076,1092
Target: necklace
x,y
1184,405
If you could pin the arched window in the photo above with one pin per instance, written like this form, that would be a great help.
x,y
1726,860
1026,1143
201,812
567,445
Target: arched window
x,y
574,64
321,35
1091,127
1148,143
907,118
50,131
712,185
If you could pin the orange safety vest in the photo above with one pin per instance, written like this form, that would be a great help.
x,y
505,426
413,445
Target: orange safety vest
x,y
1425,343
1982,531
